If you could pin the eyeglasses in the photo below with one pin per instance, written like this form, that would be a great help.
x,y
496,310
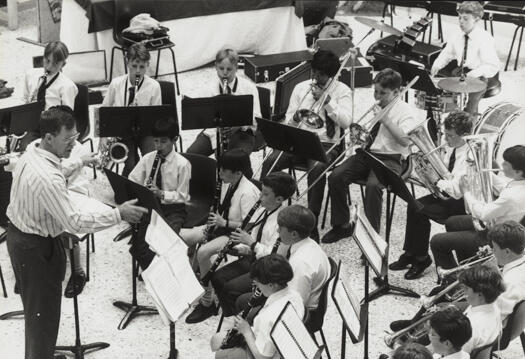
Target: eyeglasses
x,y
72,138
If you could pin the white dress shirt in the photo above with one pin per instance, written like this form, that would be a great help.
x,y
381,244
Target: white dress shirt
x,y
514,278
402,115
242,200
457,355
339,108
451,186
118,92
244,87
482,58
265,319
40,203
311,270
485,321
61,92
175,172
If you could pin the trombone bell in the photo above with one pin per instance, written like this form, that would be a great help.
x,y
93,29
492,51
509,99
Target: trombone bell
x,y
309,118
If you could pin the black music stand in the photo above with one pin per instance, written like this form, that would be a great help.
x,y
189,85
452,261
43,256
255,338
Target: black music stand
x,y
391,180
78,349
293,140
17,120
125,190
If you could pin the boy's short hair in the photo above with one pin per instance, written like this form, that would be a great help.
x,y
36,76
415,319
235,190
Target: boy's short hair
x,y
53,119
452,325
515,155
235,160
229,54
508,235
273,268
282,184
138,52
389,79
57,49
484,279
297,218
165,127
412,351
326,62
460,122
471,7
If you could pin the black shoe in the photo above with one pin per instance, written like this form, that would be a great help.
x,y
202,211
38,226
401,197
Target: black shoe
x,y
315,234
398,325
201,313
402,263
15,289
59,356
417,269
80,282
338,233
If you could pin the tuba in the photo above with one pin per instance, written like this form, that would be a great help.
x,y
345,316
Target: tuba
x,y
427,163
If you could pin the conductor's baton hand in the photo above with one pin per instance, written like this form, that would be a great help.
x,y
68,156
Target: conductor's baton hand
x,y
130,212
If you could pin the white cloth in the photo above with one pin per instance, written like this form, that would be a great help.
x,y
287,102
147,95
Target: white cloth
x,y
510,205
339,108
311,270
457,355
176,175
270,234
61,92
118,92
402,115
485,321
244,87
265,319
242,200
451,186
197,39
482,57
40,203
514,278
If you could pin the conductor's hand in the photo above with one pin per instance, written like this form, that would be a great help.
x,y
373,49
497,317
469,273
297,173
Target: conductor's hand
x,y
89,158
130,212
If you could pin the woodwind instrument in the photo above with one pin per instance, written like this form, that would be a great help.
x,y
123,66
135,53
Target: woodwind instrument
x,y
233,338
154,167
208,230
276,245
136,86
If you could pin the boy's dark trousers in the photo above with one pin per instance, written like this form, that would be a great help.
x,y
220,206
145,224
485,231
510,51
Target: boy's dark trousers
x,y
231,281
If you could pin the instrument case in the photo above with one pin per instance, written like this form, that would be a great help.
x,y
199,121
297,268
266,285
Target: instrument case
x,y
363,73
264,68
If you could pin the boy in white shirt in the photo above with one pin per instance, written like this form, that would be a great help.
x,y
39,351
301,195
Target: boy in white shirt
x,y
449,331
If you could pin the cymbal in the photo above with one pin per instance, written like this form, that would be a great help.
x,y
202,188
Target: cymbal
x,y
466,85
378,25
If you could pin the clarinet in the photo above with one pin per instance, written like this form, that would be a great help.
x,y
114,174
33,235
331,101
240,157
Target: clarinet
x,y
208,230
228,246
233,338
136,86
156,163
276,245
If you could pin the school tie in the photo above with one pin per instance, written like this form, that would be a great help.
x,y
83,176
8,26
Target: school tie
x,y
131,95
158,180
373,134
465,48
289,253
261,227
228,89
41,94
452,160
330,125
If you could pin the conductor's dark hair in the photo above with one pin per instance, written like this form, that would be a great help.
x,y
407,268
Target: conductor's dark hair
x,y
297,218
282,184
452,325
515,155
389,79
460,122
273,268
56,117
412,351
165,127
326,62
138,52
484,279
235,160
508,235
57,49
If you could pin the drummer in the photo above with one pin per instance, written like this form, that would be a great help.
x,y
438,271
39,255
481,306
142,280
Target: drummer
x,y
473,48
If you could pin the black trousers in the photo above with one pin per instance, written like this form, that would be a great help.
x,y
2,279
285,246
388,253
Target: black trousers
x,y
417,235
231,281
287,160
39,264
460,237
353,169
175,215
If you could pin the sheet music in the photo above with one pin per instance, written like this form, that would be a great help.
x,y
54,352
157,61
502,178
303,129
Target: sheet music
x,y
348,306
177,259
372,245
160,236
291,336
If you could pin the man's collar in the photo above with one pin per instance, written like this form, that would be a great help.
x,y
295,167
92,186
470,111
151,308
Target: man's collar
x,y
48,155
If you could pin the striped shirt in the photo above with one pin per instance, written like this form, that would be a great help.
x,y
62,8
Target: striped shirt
x,y
40,203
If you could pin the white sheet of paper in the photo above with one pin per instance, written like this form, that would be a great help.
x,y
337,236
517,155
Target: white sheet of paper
x,y
349,312
160,236
370,242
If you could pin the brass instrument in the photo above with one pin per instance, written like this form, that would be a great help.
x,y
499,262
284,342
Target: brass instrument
x,y
479,181
483,255
113,152
428,164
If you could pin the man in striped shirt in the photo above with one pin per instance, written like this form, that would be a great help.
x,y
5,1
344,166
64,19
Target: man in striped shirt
x,y
41,210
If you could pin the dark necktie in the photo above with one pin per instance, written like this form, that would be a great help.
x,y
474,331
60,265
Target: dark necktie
x,y
228,89
330,125
373,134
131,95
41,94
261,227
465,48
452,160
289,253
158,180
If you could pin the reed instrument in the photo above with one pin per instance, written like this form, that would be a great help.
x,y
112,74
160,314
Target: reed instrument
x,y
154,169
208,230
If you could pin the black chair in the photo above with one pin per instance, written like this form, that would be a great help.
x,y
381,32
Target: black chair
x,y
493,86
81,112
314,319
125,10
515,328
3,237
167,91
484,352
266,113
202,189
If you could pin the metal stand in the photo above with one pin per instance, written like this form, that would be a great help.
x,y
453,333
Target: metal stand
x,y
366,300
174,353
10,315
3,283
78,349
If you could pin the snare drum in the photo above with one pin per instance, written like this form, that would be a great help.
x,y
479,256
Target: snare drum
x,y
508,121
445,102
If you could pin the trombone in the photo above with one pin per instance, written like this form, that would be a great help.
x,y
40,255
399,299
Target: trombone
x,y
483,255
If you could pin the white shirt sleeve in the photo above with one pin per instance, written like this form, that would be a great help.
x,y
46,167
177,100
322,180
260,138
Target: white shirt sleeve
x,y
68,94
340,109
182,193
448,54
489,60
156,95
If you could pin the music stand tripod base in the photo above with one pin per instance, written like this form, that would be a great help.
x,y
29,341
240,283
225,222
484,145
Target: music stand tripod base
x,y
10,315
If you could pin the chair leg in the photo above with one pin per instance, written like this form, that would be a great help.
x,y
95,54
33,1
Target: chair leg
x,y
158,63
325,208
511,47
519,49
92,148
522,339
92,243
111,64
220,323
87,258
175,70
325,344
3,282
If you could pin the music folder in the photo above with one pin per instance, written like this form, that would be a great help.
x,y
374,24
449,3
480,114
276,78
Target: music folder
x,y
19,119
293,140
217,111
424,83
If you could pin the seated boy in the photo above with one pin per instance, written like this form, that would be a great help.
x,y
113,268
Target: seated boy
x,y
449,331
167,173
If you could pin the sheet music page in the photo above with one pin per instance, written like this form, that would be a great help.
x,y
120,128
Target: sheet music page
x,y
291,336
164,316
365,243
179,265
160,236
348,310
376,239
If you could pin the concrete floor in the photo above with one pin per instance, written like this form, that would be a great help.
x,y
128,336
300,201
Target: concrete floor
x,y
147,337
